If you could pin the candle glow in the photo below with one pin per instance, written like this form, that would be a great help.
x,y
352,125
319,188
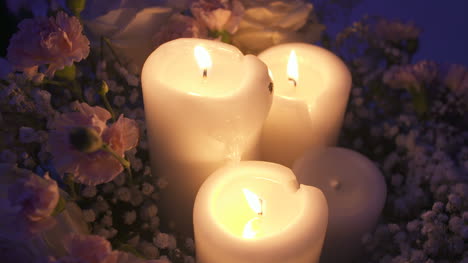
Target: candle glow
x,y
306,112
196,124
203,59
251,229
228,226
292,68
254,201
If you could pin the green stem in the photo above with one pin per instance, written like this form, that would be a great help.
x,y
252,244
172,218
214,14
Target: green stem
x,y
107,105
71,185
123,161
77,90
53,82
109,44
101,51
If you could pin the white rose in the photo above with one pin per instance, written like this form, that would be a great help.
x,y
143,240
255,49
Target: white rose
x,y
129,27
273,23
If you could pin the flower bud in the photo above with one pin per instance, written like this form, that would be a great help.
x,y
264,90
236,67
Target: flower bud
x,y
85,139
77,6
67,73
103,89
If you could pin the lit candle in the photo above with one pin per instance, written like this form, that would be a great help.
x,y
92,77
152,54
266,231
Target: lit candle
x,y
311,92
355,191
256,212
205,103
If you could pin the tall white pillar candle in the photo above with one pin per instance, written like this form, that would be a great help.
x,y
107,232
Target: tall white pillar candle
x,y
205,103
311,92
355,191
256,212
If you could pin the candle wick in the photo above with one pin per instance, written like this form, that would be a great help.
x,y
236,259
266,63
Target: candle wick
x,y
205,73
293,81
261,207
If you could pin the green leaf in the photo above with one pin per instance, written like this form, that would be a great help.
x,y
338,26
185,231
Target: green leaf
x,y
60,206
225,36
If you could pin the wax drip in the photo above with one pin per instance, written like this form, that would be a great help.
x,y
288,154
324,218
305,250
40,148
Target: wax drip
x,y
335,184
270,87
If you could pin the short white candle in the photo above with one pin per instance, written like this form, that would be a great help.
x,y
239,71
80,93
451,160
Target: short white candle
x,y
311,92
256,212
355,191
205,103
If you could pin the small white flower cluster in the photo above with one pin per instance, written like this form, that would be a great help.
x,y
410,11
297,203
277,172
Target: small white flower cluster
x,y
122,204
131,79
15,98
424,165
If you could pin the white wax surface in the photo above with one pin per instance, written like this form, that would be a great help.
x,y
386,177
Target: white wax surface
x,y
233,212
290,229
309,85
310,114
182,71
197,124
355,191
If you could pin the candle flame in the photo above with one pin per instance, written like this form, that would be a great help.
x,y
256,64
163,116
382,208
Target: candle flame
x,y
203,59
250,229
293,71
254,201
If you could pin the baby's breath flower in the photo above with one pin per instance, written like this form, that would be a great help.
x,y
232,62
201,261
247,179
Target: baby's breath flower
x,y
89,191
162,182
106,221
123,193
130,217
161,240
148,250
119,101
148,211
147,188
89,215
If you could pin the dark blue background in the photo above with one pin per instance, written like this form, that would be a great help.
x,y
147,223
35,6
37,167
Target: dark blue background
x,y
444,23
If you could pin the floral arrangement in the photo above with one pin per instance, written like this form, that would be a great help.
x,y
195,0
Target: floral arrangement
x,y
76,181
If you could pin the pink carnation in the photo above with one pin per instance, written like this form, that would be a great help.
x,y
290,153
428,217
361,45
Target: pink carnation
x,y
219,15
30,203
36,197
95,167
56,42
180,26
